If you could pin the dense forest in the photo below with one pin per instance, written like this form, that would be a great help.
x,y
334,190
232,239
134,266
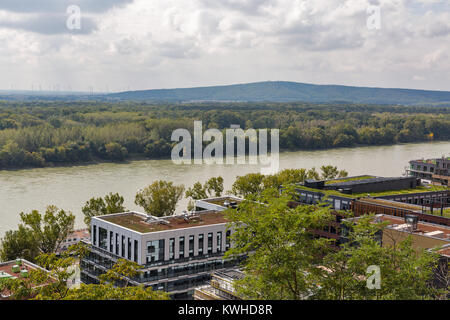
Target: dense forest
x,y
34,134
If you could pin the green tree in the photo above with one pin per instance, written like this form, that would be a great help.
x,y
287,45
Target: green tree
x,y
212,187
313,174
115,151
49,283
282,252
160,198
113,203
247,185
51,229
52,285
19,243
115,285
405,272
331,172
286,261
198,191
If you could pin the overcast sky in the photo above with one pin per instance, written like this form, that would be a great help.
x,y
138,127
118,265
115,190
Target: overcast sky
x,y
147,44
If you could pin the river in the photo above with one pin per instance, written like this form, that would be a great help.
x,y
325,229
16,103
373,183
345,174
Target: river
x,y
70,187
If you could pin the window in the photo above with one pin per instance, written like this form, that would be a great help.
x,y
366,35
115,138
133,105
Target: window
x,y
95,235
155,250
172,248
210,242
200,244
123,246
227,240
129,249
117,243
135,251
191,246
219,241
102,238
181,248
111,241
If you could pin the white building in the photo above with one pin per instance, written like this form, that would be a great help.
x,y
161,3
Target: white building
x,y
178,253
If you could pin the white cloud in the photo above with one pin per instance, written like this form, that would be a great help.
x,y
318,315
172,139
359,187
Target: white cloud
x,y
172,43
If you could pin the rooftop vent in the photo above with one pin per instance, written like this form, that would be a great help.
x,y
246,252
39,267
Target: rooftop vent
x,y
165,222
412,220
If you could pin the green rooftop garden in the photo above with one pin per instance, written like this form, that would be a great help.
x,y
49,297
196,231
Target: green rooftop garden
x,y
349,179
419,189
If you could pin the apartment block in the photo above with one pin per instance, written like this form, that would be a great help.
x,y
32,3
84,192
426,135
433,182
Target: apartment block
x,y
433,170
177,253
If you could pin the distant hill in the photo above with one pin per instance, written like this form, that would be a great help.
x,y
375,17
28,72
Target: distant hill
x,y
282,91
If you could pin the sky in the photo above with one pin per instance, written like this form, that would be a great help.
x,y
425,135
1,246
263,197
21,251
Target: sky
x,y
117,45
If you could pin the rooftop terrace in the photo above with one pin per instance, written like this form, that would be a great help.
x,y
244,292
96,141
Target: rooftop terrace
x,y
141,223
423,228
16,269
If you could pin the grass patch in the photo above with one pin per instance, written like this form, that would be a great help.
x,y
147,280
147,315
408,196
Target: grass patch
x,y
349,179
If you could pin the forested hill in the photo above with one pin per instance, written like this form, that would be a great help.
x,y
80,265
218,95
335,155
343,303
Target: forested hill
x,y
281,91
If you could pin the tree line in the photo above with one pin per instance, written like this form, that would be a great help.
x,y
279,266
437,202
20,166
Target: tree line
x,y
35,134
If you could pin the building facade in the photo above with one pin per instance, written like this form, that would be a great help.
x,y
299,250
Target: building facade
x,y
433,170
177,253
221,286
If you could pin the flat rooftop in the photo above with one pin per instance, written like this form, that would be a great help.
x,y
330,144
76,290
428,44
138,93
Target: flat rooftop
x,y
418,189
146,224
7,272
423,228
